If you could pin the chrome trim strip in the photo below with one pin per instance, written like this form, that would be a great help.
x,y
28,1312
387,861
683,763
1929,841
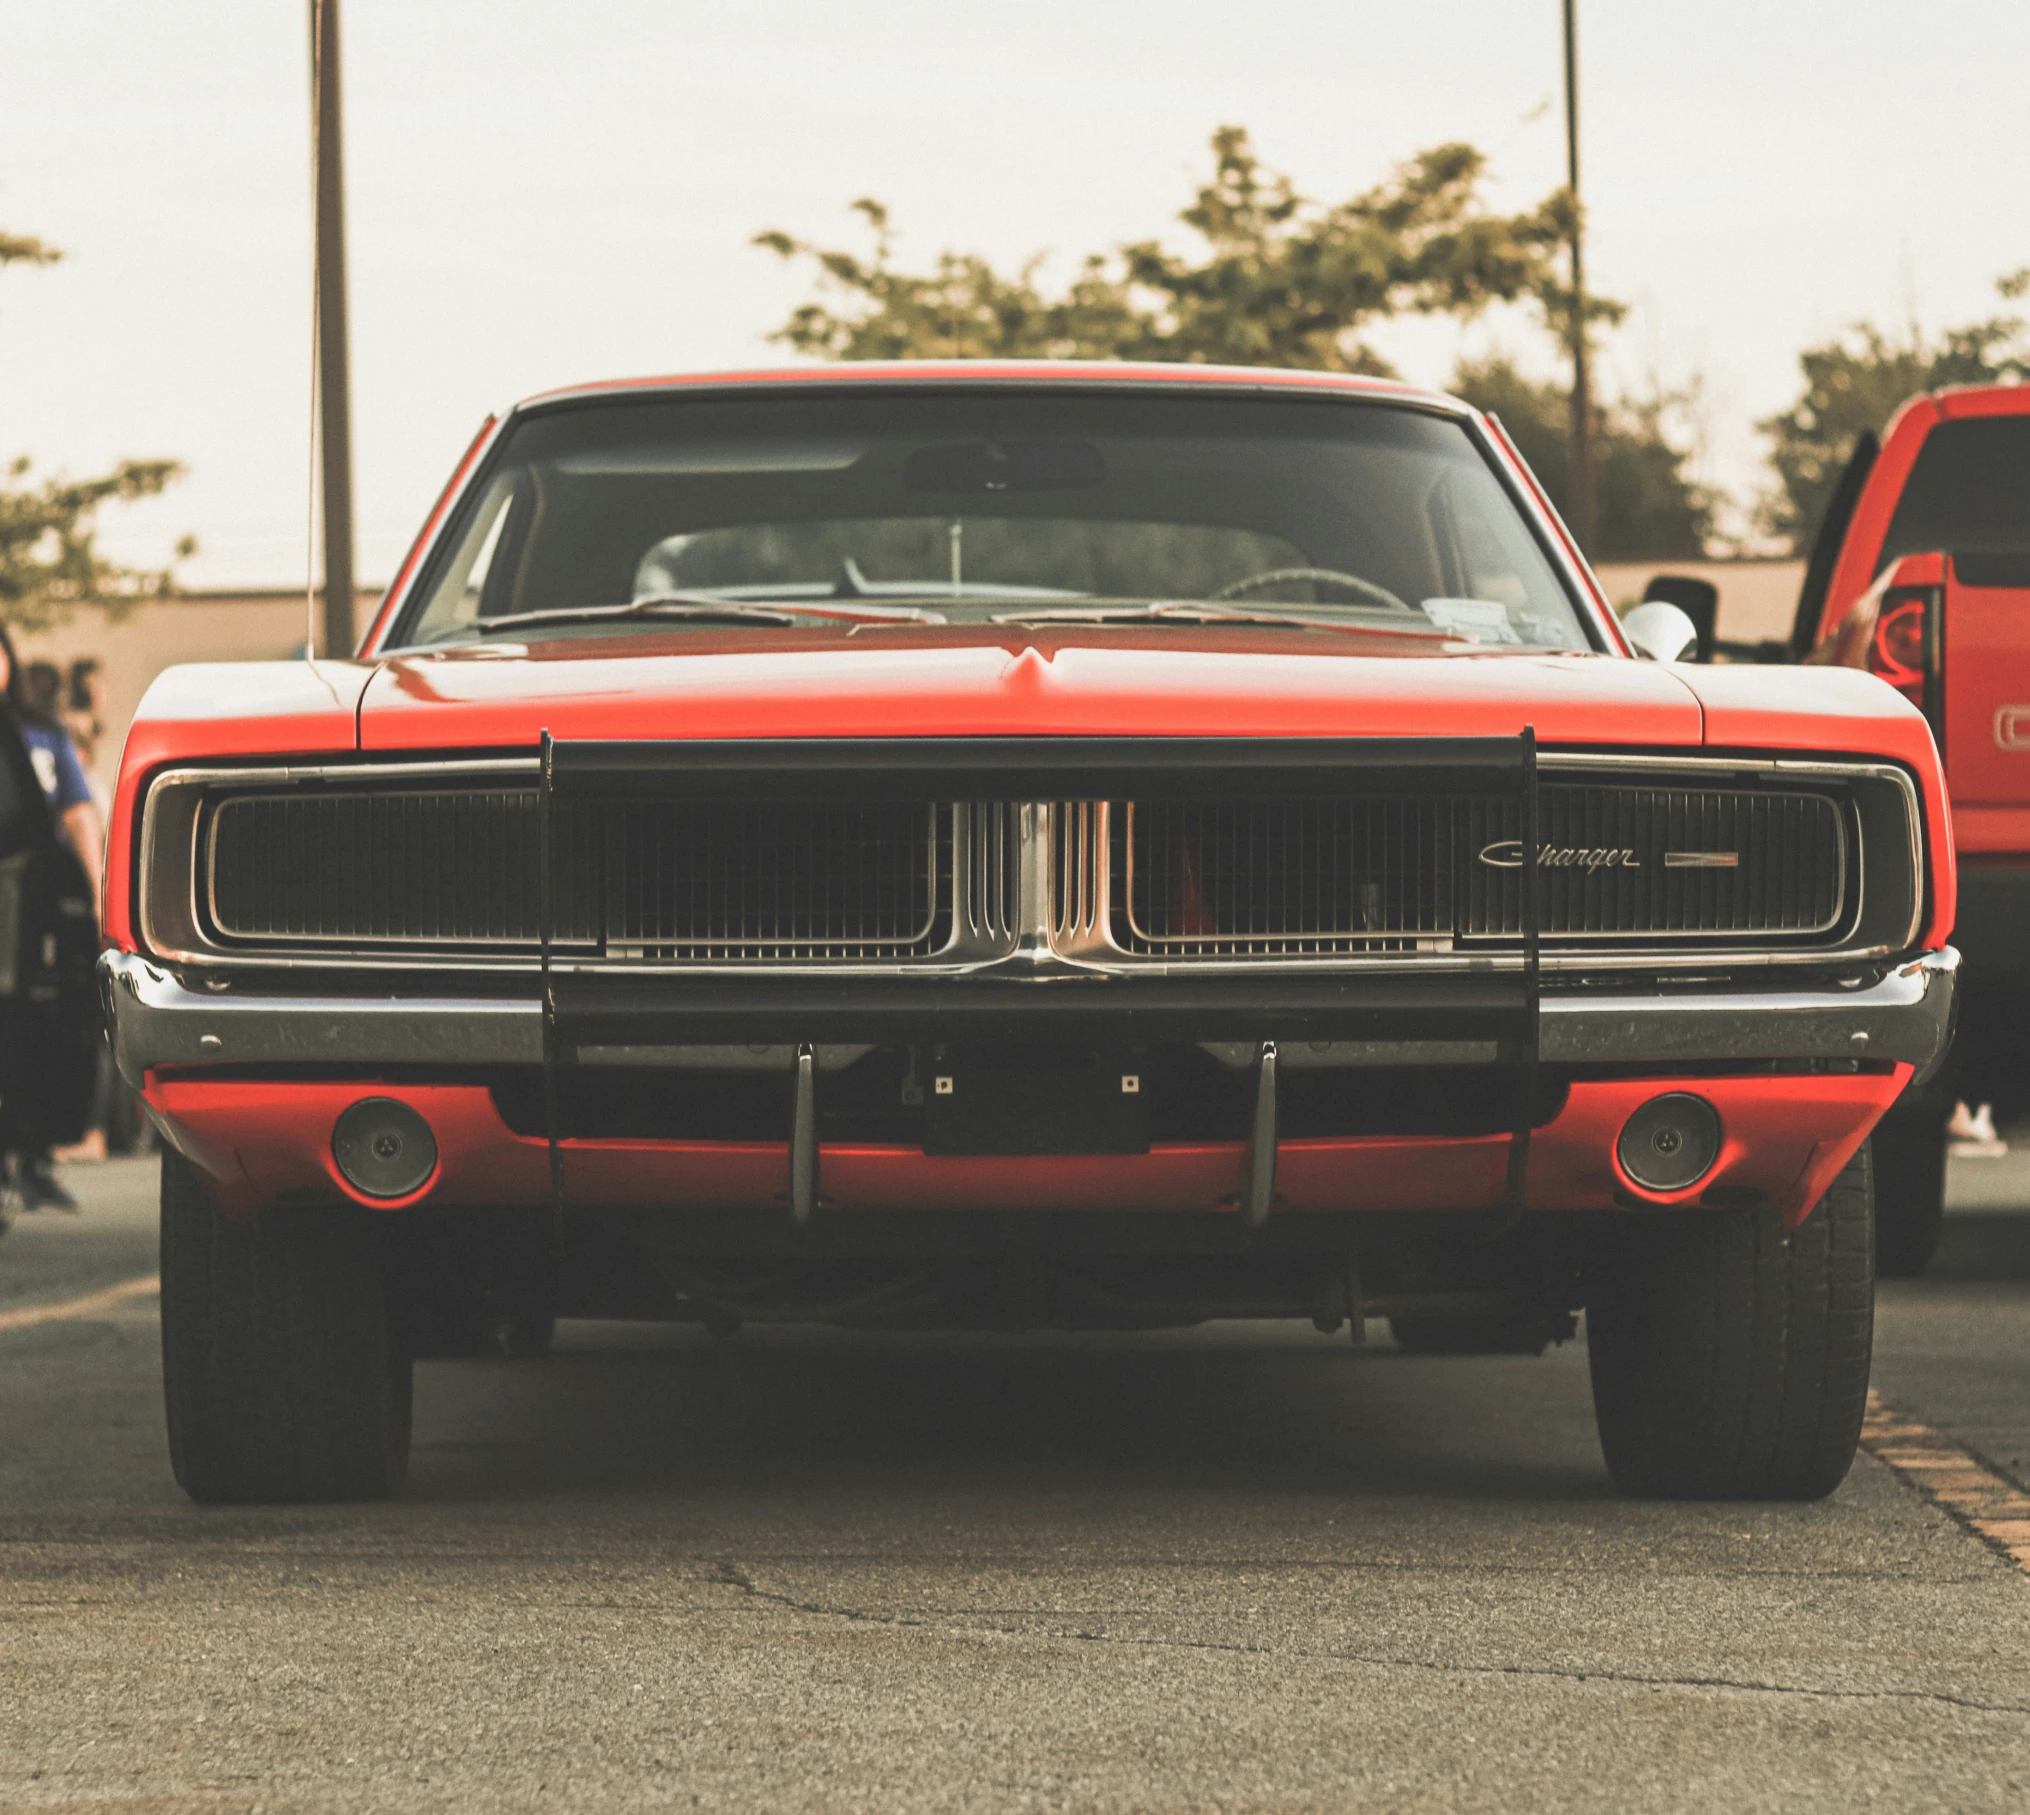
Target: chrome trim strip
x,y
168,907
1913,810
1904,1016
1348,1055
155,1020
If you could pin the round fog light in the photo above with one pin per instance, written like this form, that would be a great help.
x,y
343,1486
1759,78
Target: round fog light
x,y
1670,1142
383,1147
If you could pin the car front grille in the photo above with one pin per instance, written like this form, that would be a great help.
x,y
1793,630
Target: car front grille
x,y
1288,878
676,881
699,882
1311,878
1619,862
1622,864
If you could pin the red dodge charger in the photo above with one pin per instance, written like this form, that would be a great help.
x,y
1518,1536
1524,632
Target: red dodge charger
x,y
1020,847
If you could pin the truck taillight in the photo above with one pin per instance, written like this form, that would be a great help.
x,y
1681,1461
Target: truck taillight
x,y
1904,648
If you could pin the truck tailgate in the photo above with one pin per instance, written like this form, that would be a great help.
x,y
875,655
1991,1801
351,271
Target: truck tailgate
x,y
1987,680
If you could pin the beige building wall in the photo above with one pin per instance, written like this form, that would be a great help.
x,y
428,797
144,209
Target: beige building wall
x,y
1757,598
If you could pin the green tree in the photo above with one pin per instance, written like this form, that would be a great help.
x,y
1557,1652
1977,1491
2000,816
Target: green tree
x,y
1855,383
49,558
1649,509
1274,279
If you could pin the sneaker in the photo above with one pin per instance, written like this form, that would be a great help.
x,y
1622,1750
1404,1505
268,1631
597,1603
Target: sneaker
x,y
1972,1133
40,1190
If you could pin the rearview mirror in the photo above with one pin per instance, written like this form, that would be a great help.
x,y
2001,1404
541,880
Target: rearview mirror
x,y
1661,632
1006,466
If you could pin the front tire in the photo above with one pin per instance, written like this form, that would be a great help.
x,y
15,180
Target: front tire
x,y
1730,1358
281,1376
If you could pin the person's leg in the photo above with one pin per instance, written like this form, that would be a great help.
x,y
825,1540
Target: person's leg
x,y
40,1189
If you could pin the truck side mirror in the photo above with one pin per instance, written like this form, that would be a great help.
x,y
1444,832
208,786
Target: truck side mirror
x,y
1661,632
1699,600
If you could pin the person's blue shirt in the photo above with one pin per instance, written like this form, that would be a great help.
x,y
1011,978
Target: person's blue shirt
x,y
57,767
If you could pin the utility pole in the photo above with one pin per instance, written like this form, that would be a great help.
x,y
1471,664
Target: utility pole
x,y
333,383
1584,511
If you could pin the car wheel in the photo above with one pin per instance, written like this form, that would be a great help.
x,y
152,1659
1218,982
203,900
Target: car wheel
x,y
281,1376
1499,1334
1730,1358
1909,1192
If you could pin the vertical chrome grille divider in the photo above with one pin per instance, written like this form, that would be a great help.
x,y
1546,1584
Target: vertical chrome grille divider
x,y
1516,1185
546,933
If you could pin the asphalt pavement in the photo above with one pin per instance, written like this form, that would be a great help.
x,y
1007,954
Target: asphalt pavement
x,y
1245,1567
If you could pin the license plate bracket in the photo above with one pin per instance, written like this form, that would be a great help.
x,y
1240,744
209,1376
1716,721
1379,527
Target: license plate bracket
x,y
1034,1099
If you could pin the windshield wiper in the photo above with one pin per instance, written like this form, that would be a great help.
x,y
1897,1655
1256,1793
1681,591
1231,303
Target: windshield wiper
x,y
1190,611
698,607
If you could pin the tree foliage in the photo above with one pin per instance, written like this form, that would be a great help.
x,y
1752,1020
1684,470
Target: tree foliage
x,y
1857,382
1273,278
49,557
1649,508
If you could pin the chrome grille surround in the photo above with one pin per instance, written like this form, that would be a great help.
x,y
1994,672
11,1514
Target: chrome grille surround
x,y
1064,884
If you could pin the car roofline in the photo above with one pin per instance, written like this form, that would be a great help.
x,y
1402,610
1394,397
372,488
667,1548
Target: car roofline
x,y
995,374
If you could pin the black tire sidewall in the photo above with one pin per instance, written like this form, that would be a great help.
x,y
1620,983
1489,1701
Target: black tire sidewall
x,y
282,1381
1729,1356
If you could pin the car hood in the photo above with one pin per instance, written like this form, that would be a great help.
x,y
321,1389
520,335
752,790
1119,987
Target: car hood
x,y
1139,683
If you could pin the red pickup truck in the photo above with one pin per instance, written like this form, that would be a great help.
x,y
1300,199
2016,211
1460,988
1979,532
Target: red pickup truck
x,y
1921,575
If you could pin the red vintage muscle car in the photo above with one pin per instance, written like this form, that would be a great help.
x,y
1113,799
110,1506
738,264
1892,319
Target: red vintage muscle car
x,y
1012,847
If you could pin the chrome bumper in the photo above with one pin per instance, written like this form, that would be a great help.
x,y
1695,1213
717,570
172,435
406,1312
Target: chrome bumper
x,y
1905,1016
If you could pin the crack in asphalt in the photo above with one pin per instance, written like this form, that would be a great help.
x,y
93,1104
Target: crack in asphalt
x,y
265,1551
731,1575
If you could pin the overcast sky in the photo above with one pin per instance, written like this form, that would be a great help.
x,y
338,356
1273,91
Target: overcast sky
x,y
543,193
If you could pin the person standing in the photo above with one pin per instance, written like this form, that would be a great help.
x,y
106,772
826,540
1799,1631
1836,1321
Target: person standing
x,y
35,696
55,761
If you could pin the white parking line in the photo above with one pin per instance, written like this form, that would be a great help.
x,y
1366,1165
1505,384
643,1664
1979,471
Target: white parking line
x,y
91,1305
1952,1478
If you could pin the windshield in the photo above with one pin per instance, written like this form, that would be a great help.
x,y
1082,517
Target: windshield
x,y
877,510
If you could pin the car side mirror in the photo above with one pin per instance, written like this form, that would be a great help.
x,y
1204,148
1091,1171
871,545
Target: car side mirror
x,y
1661,632
1698,599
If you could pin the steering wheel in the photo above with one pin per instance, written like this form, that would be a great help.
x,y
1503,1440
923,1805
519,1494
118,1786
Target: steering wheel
x,y
1328,576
